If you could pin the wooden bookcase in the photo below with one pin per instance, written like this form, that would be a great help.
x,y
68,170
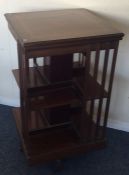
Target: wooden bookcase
x,y
65,97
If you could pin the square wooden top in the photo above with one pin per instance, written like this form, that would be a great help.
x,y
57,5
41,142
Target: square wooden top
x,y
45,26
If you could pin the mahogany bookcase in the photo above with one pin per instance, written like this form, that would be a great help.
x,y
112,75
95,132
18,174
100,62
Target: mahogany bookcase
x,y
66,66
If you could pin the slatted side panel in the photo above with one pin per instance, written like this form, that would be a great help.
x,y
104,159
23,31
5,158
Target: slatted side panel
x,y
100,65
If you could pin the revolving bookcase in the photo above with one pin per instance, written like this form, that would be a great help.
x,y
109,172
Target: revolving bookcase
x,y
66,66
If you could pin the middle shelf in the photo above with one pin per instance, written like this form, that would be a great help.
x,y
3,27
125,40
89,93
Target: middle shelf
x,y
63,92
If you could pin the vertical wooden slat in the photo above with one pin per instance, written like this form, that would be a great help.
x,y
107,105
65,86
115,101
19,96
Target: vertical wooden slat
x,y
35,73
83,132
34,61
102,91
27,112
20,82
35,80
95,74
96,62
23,62
80,59
110,87
84,56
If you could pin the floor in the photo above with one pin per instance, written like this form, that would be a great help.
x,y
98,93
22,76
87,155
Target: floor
x,y
113,160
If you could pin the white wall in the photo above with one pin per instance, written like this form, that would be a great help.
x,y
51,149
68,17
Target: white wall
x,y
116,12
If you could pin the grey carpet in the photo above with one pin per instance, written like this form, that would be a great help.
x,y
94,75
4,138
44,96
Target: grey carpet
x,y
113,160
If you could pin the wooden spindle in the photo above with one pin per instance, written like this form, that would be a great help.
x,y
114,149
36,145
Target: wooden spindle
x,y
103,86
110,87
95,74
84,134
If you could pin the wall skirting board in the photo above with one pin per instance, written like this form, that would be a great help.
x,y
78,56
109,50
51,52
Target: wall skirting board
x,y
115,124
9,102
120,125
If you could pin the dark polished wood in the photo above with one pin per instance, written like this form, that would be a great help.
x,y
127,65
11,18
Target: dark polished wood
x,y
54,142
60,65
58,25
65,101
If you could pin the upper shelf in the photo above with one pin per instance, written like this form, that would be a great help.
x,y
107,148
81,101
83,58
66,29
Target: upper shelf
x,y
46,27
37,86
90,89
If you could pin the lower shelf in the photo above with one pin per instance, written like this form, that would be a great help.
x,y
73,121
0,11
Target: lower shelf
x,y
52,144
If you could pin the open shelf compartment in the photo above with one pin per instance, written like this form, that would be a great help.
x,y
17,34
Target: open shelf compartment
x,y
56,140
